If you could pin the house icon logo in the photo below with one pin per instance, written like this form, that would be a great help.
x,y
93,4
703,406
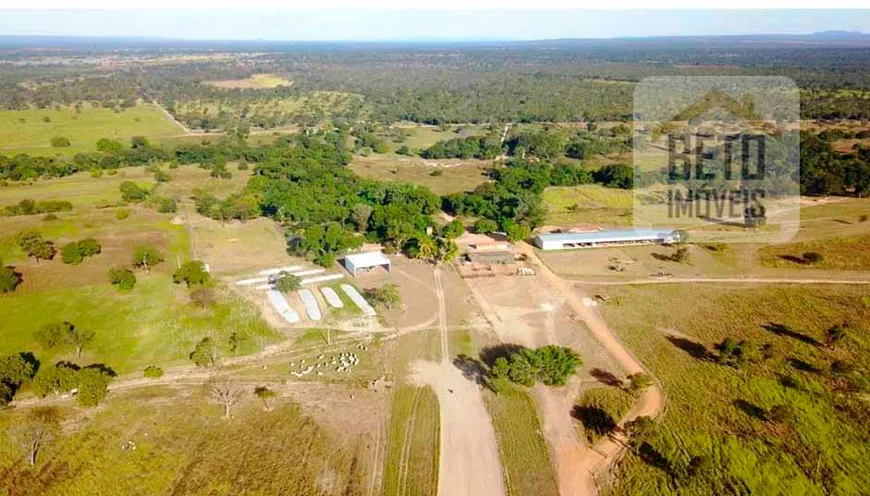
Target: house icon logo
x,y
717,156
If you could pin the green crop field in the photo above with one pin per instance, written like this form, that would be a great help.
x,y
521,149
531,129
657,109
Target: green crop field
x,y
522,448
724,412
25,131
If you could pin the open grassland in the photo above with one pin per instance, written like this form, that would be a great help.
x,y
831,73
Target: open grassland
x,y
82,189
723,412
838,253
420,136
441,176
256,82
522,447
24,131
182,445
155,323
590,203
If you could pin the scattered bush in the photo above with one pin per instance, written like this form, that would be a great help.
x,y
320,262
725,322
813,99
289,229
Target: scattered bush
x,y
76,252
132,192
122,214
167,205
59,142
153,372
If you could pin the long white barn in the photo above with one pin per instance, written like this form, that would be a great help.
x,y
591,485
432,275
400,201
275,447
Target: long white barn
x,y
567,241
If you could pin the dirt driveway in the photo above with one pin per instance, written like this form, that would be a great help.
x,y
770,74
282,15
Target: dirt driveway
x,y
469,463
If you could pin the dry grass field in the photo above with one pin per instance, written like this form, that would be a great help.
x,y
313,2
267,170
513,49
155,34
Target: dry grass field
x,y
255,82
443,176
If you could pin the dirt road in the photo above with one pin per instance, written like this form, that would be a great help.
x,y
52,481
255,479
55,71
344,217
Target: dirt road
x,y
747,280
469,463
576,467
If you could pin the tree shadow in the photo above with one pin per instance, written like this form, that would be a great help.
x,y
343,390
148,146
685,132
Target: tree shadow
x,y
696,350
802,365
472,369
654,458
594,419
31,359
842,221
751,409
662,257
491,353
786,331
102,368
607,378
793,259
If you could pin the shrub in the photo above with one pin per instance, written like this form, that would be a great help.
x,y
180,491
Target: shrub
x,y
93,386
485,226
75,253
146,257
124,279
122,214
812,257
132,192
59,142
551,364
9,279
167,205
153,372
243,166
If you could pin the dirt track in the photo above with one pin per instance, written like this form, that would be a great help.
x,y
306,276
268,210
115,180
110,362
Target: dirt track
x,y
469,462
747,280
577,465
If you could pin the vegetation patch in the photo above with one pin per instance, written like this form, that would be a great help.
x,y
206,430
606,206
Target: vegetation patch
x,y
828,253
414,442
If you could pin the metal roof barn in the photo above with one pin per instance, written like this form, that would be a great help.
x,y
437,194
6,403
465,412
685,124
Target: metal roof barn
x,y
566,241
366,261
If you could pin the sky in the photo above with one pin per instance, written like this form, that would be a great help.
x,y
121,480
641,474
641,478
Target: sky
x,y
393,25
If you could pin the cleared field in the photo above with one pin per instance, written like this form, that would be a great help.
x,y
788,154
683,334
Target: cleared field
x,y
441,176
522,447
25,131
81,188
256,81
588,204
182,445
837,252
724,412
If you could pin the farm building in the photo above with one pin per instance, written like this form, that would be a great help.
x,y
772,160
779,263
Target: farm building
x,y
366,261
491,257
569,240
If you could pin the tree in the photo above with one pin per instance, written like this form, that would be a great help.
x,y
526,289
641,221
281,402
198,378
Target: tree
x,y
639,429
835,334
132,192
61,378
205,354
14,371
93,386
109,147
360,216
37,430
518,232
639,382
146,257
782,414
681,255
266,395
387,295
813,257
59,142
192,273
35,246
124,279
90,247
551,364
78,339
453,229
485,226
71,254
52,334
9,279
226,394
139,142
167,205
286,282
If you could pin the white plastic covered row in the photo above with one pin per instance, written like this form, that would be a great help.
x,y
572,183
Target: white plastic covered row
x,y
358,299
280,303
332,297
310,302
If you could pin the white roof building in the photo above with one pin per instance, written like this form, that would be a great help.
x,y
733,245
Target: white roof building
x,y
366,261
